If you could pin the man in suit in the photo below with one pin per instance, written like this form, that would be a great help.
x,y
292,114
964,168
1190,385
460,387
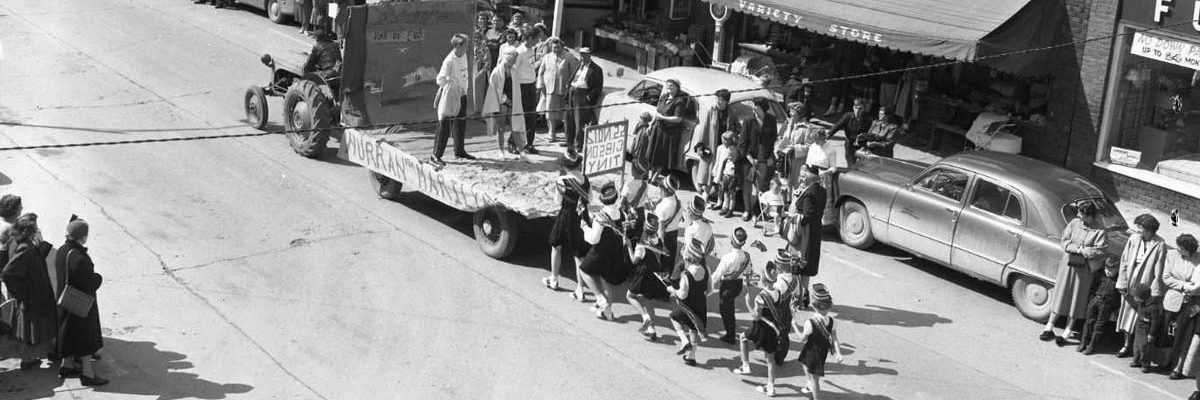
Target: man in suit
x,y
853,123
586,89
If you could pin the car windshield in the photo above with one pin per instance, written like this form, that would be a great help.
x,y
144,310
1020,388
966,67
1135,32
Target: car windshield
x,y
1110,217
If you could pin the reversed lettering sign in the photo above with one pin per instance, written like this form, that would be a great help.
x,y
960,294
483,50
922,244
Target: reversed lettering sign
x,y
387,160
604,148
1167,50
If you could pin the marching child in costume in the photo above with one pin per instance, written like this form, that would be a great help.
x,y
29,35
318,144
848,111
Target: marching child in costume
x,y
819,340
692,303
728,282
566,235
648,258
769,333
603,265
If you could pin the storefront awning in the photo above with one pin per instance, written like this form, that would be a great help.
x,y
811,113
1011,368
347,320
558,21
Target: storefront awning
x,y
954,29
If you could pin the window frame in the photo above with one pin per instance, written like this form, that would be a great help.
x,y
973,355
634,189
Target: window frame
x,y
915,183
1012,193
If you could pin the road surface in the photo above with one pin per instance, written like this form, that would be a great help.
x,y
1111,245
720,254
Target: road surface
x,y
236,269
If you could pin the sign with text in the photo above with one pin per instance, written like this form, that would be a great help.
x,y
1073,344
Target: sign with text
x,y
1172,51
1126,157
385,159
604,148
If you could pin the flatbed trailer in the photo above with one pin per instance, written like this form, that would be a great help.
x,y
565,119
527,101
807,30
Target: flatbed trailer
x,y
502,194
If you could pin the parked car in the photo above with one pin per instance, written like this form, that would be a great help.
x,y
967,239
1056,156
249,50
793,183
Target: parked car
x,y
994,216
699,83
278,11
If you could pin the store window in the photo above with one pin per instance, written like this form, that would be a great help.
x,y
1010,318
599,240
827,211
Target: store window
x,y
1155,110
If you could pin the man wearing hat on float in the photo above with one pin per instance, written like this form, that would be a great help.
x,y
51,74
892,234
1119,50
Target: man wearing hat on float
x,y
573,192
670,214
728,282
604,264
585,92
452,80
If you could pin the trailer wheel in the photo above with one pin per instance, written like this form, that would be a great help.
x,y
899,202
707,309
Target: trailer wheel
x,y
385,187
275,12
255,102
496,231
1032,298
305,107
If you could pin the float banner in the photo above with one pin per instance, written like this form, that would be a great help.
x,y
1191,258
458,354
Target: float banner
x,y
385,159
604,148
404,45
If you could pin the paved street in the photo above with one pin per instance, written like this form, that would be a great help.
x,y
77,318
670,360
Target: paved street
x,y
236,269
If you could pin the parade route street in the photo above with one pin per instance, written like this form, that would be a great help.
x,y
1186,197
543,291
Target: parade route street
x,y
235,268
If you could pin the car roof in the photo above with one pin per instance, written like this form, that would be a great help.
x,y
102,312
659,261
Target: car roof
x,y
699,81
1039,181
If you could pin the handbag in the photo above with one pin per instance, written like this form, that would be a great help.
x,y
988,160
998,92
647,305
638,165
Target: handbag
x,y
73,300
7,309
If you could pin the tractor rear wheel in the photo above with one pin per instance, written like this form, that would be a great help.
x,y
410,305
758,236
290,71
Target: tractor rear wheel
x,y
308,115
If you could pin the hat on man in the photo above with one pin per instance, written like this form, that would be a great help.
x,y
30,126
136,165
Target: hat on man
x,y
820,297
696,208
77,228
569,159
585,50
608,194
458,38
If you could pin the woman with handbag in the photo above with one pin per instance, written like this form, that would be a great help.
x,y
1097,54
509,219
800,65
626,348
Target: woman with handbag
x,y
80,336
35,320
1083,243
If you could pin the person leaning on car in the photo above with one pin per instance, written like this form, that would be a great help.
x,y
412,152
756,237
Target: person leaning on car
x,y
853,123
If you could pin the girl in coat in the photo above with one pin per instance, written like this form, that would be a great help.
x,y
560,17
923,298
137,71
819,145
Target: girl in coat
x,y
1142,261
499,105
80,337
819,340
35,321
1083,243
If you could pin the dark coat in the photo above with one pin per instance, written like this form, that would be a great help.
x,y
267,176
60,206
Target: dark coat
x,y
80,336
595,83
26,278
852,125
807,240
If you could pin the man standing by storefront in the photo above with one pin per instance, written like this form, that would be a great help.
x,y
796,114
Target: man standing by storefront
x,y
586,89
853,123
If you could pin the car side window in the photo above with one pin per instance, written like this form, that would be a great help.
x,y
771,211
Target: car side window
x,y
944,182
646,91
997,200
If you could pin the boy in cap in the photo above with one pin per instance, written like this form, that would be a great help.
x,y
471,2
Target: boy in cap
x,y
728,283
1105,301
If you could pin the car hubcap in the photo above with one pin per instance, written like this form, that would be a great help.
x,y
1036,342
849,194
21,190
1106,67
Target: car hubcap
x,y
273,9
1036,294
854,224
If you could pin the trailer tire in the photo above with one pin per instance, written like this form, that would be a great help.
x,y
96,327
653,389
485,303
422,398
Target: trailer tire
x,y
496,231
306,107
255,102
386,188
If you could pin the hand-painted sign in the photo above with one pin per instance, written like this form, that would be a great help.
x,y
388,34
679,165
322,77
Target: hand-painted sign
x,y
1173,51
394,163
604,148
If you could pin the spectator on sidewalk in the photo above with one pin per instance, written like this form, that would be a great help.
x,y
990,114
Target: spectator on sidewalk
x,y
1182,278
728,283
724,172
27,279
880,138
804,238
1149,327
1105,300
853,123
586,91
81,336
10,209
452,102
758,147
1142,262
770,329
1083,243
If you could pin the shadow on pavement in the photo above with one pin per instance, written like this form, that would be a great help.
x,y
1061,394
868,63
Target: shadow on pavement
x,y
847,394
859,369
140,368
881,315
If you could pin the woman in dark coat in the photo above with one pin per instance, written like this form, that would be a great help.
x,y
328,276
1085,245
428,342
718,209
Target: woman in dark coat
x,y
35,321
80,337
668,121
805,236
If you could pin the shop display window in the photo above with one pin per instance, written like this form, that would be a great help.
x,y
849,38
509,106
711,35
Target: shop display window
x,y
1155,110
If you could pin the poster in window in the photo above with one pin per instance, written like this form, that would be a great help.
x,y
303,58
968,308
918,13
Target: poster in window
x,y
680,9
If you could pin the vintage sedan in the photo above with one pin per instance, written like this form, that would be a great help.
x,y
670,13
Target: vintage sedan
x,y
278,11
994,216
700,83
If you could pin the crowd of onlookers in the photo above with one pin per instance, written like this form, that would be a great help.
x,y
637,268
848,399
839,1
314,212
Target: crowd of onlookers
x,y
48,295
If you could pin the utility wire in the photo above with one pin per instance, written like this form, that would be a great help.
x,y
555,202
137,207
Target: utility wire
x,y
569,109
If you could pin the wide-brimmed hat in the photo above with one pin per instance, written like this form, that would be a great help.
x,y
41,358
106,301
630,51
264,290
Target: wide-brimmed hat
x,y
608,193
784,260
820,296
696,207
569,159
651,225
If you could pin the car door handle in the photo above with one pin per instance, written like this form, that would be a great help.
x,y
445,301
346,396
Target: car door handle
x,y
907,212
950,210
1013,233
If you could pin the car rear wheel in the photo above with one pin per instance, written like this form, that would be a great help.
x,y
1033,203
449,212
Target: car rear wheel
x,y
255,102
854,225
275,12
1032,298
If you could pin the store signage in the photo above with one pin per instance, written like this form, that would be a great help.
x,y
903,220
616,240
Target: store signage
x,y
604,148
1167,50
1126,157
855,33
1163,8
1181,16
762,10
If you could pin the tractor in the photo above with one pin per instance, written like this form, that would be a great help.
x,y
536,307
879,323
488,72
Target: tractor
x,y
311,105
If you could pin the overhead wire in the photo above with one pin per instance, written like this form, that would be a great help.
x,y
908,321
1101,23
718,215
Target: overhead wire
x,y
943,64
